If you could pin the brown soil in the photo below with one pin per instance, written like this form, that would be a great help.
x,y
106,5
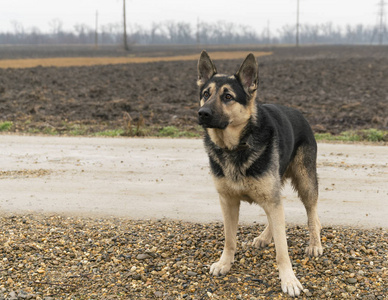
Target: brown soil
x,y
337,88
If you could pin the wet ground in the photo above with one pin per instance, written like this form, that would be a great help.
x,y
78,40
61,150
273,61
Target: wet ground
x,y
154,179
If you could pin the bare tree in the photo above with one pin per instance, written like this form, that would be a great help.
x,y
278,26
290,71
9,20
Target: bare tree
x,y
172,31
83,31
155,28
56,26
310,33
183,33
287,34
17,27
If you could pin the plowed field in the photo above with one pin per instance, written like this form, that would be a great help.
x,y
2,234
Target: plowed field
x,y
337,88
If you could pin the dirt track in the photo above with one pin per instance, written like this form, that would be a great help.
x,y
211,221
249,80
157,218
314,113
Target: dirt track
x,y
93,61
169,178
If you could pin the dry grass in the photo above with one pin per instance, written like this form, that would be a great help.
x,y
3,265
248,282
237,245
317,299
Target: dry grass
x,y
90,61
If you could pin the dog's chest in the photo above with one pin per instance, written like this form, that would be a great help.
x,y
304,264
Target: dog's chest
x,y
235,168
253,190
237,165
232,166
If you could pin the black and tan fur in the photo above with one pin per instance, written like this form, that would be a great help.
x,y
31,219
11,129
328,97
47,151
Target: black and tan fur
x,y
252,150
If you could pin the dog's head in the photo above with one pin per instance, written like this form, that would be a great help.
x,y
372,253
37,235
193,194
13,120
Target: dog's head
x,y
226,100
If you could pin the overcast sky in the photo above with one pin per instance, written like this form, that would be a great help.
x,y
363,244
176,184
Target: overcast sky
x,y
254,13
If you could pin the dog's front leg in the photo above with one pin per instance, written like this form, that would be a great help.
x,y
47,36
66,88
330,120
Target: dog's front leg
x,y
275,214
230,210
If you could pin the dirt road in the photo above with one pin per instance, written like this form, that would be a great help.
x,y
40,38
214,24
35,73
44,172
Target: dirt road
x,y
169,178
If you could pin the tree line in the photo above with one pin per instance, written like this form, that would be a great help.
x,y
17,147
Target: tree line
x,y
175,32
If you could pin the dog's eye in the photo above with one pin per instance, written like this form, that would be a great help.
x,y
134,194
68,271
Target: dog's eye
x,y
206,95
228,97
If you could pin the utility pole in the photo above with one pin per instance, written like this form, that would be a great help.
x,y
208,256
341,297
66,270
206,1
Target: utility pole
x,y
297,23
268,33
197,35
126,48
382,21
96,32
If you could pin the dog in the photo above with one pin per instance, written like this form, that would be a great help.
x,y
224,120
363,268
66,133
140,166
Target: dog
x,y
253,148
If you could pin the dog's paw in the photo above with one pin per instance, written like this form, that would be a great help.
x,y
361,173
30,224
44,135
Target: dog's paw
x,y
220,268
291,285
314,250
261,242
264,239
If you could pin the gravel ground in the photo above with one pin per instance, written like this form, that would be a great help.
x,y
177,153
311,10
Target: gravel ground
x,y
61,257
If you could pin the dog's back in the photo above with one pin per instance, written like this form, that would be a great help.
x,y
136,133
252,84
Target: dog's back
x,y
291,131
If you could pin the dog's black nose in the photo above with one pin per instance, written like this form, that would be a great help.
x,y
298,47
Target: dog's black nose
x,y
205,114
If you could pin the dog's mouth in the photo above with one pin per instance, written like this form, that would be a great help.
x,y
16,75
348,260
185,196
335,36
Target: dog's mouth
x,y
215,125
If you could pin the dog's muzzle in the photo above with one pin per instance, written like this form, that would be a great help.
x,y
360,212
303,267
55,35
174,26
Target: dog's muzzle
x,y
205,116
207,119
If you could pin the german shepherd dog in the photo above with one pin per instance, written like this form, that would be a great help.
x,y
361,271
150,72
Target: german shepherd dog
x,y
252,150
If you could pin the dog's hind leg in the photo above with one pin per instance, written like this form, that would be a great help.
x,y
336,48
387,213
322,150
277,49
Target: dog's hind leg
x,y
310,203
304,179
264,239
230,210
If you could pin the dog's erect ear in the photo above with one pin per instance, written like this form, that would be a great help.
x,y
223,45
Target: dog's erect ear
x,y
206,68
248,74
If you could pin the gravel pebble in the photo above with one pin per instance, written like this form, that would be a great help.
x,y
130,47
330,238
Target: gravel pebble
x,y
143,256
61,257
352,280
350,288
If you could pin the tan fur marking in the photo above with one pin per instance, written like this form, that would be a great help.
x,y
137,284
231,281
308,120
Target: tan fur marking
x,y
253,190
212,88
226,138
303,181
228,88
238,116
258,190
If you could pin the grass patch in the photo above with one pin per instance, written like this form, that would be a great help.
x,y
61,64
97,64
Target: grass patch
x,y
78,130
139,129
374,135
174,132
50,131
168,131
5,126
369,135
111,133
